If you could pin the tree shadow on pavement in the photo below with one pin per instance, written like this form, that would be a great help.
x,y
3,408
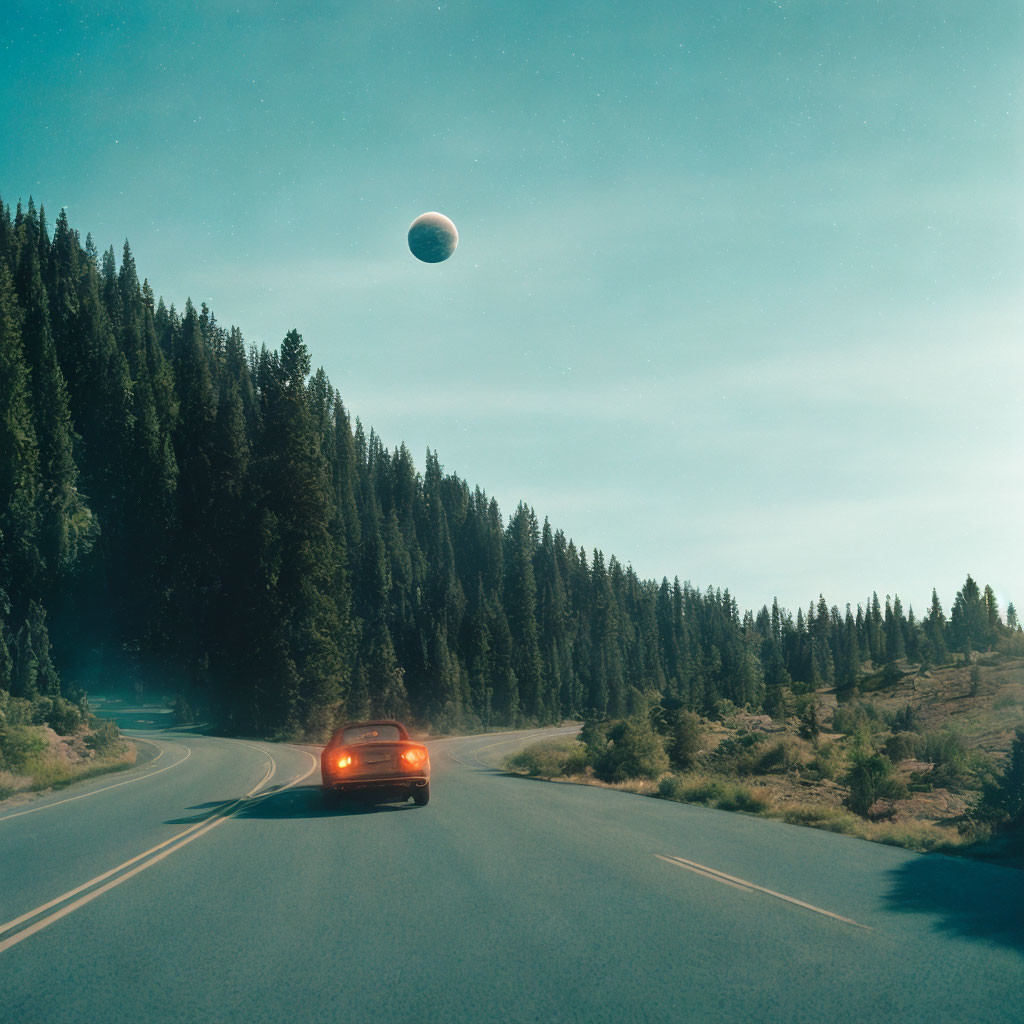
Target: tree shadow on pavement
x,y
979,901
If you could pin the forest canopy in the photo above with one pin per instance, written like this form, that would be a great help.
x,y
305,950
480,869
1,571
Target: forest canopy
x,y
181,509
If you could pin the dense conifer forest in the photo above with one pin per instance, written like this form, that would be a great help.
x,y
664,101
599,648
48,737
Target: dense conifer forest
x,y
181,510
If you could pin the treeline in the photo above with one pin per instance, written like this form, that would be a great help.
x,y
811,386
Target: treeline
x,y
178,507
827,647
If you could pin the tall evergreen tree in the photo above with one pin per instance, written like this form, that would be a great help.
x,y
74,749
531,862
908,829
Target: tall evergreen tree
x,y
520,601
20,480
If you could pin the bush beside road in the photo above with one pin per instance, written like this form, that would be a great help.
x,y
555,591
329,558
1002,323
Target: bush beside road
x,y
50,742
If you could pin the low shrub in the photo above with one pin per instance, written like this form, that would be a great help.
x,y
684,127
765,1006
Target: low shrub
x,y
594,736
634,751
725,709
828,761
891,674
872,778
18,745
15,710
823,816
810,716
721,793
902,745
1009,697
1001,804
685,738
739,754
48,772
784,755
1012,645
776,703
944,748
59,714
921,837
550,759
64,717
904,720
7,787
734,797
105,737
974,685
858,716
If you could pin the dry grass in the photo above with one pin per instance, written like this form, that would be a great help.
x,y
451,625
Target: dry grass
x,y
549,759
941,700
53,772
62,761
11,784
724,794
779,774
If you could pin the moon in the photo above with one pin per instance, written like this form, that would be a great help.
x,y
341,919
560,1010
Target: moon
x,y
432,237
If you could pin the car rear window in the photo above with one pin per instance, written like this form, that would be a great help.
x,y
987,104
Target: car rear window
x,y
362,733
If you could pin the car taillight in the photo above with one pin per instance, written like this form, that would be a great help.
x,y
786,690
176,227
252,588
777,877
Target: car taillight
x,y
345,761
414,756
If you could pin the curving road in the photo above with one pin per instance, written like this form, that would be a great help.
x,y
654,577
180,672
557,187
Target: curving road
x,y
208,884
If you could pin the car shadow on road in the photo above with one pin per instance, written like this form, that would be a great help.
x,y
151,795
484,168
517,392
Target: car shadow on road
x,y
308,802
979,901
294,802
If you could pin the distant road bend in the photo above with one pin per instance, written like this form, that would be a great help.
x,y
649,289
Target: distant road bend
x,y
209,884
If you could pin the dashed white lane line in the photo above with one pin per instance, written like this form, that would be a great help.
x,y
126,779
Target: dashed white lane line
x,y
104,789
706,874
740,883
162,850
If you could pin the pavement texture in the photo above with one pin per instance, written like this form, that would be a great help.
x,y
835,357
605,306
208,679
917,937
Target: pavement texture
x,y
211,884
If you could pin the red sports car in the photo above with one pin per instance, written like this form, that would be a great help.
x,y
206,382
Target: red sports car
x,y
375,757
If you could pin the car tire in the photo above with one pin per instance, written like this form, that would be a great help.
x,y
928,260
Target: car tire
x,y
332,799
421,795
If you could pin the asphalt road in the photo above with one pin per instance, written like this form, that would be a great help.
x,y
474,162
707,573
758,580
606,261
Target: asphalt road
x,y
209,884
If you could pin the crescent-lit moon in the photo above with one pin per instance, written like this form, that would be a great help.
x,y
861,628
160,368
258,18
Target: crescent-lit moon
x,y
432,237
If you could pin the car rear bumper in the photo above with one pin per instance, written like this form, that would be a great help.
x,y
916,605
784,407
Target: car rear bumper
x,y
389,782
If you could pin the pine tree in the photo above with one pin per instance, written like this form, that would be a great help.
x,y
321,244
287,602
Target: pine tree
x,y
294,483
6,661
849,669
520,602
894,627
502,672
969,620
192,557
20,483
66,526
993,623
478,659
913,635
935,632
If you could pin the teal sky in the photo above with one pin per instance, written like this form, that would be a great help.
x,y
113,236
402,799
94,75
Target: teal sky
x,y
738,289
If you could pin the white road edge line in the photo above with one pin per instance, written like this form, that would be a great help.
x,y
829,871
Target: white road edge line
x,y
721,876
205,826
120,867
126,782
113,871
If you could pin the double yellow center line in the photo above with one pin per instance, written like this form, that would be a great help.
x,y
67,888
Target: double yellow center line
x,y
140,862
